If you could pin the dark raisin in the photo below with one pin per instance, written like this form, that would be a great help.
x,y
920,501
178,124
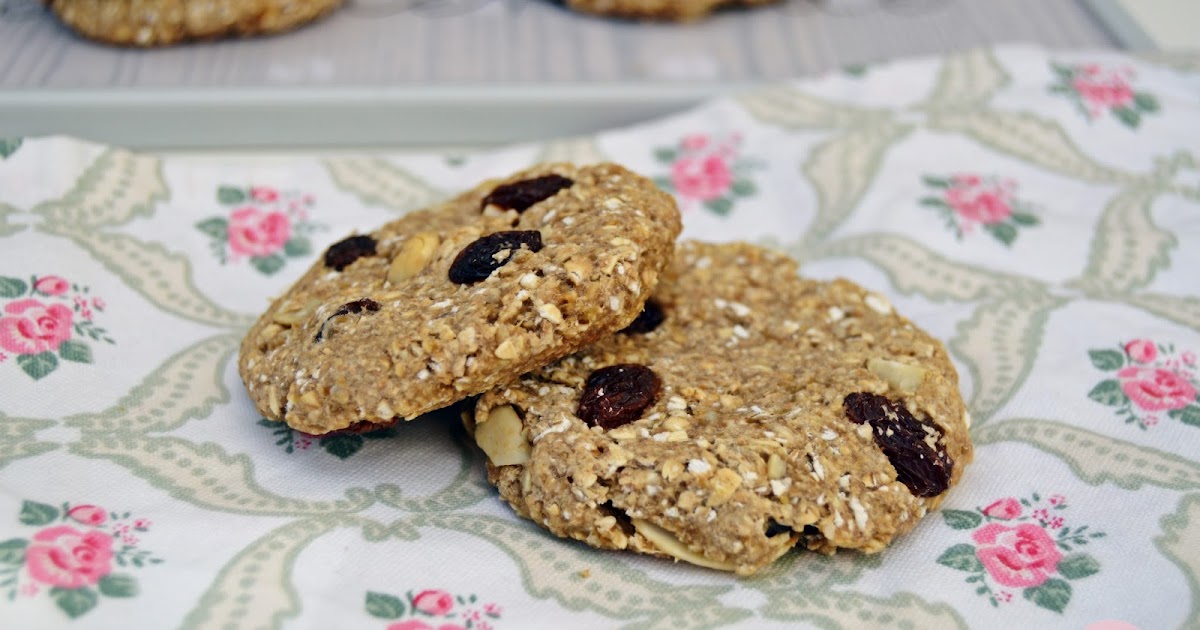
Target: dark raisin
x,y
521,195
617,395
923,469
478,260
775,528
651,316
344,252
357,306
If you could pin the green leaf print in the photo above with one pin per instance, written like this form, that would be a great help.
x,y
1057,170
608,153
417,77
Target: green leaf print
x,y
962,519
215,227
720,206
12,551
1077,566
267,264
12,287
9,146
1053,594
961,558
76,351
1187,415
75,602
1108,393
1004,232
342,446
38,365
743,188
1145,102
1106,360
228,195
1022,218
384,606
665,154
1128,116
297,246
118,585
33,513
936,182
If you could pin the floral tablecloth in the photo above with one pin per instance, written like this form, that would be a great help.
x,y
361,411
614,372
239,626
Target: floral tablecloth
x,y
1040,212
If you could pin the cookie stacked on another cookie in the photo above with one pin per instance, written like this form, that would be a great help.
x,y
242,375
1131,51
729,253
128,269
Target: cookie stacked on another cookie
x,y
738,412
448,302
745,411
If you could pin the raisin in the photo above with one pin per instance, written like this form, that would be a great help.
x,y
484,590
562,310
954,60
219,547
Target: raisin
x,y
925,470
357,306
617,395
344,252
521,195
775,528
478,260
651,316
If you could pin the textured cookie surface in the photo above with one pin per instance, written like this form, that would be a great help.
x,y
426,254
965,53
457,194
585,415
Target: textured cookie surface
x,y
677,10
450,301
747,410
162,22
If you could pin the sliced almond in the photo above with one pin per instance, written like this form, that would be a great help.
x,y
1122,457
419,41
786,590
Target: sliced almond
x,y
776,468
413,256
293,313
901,376
501,437
667,543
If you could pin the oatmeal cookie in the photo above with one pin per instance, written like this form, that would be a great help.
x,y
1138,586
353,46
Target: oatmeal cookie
x,y
453,300
745,411
162,22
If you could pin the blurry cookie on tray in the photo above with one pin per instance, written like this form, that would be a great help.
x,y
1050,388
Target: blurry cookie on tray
x,y
671,10
161,22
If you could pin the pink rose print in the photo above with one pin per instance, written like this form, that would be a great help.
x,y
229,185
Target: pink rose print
x,y
1019,556
52,285
256,233
1004,509
1148,378
707,171
1141,350
980,204
33,327
434,602
87,514
65,557
411,624
1156,389
1021,543
1095,90
969,200
703,178
60,558
48,320
263,194
265,226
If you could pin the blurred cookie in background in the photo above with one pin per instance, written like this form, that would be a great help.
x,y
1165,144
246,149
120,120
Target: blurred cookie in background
x,y
149,23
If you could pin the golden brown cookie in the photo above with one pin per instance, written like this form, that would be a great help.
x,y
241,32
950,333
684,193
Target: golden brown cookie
x,y
745,411
162,22
674,10
450,301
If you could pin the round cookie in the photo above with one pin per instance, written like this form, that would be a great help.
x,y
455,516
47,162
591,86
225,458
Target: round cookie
x,y
453,300
162,22
745,411
674,10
